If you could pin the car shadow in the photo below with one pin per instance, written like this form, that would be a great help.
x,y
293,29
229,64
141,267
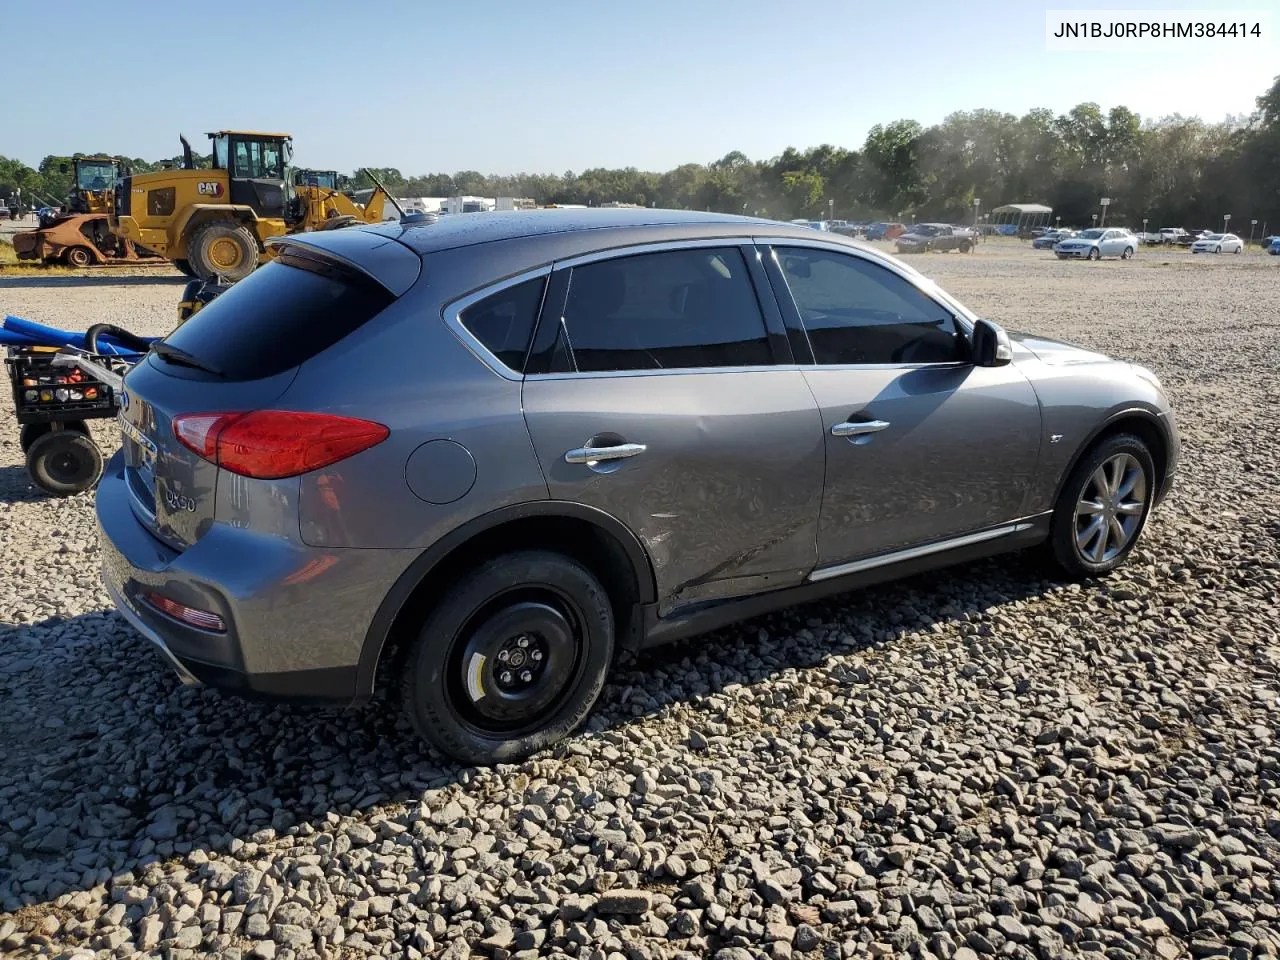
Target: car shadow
x,y
272,768
91,280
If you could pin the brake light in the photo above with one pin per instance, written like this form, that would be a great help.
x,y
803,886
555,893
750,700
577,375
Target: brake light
x,y
180,611
270,444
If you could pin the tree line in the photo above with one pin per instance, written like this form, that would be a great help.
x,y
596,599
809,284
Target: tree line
x,y
1173,170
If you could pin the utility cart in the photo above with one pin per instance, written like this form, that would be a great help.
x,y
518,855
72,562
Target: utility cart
x,y
56,391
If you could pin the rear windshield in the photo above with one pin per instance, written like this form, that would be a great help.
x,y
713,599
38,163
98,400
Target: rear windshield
x,y
278,317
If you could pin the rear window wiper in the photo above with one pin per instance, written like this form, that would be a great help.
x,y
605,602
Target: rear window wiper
x,y
179,356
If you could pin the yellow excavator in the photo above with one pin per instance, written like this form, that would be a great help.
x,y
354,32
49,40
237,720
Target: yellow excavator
x,y
214,222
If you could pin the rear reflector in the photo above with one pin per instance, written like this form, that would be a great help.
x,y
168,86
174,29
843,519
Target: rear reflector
x,y
190,615
270,444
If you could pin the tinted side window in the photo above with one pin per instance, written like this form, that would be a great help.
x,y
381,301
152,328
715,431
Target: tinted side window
x,y
504,321
279,316
858,312
661,311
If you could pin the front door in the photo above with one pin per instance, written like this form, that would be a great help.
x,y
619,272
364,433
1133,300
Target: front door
x,y
665,408
922,445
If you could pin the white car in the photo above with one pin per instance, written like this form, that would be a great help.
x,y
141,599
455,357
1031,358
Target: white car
x,y
1096,243
1218,243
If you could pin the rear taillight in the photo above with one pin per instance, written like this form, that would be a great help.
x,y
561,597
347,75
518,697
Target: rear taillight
x,y
270,444
180,611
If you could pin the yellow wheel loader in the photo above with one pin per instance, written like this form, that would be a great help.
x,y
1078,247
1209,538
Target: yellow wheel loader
x,y
214,222
79,234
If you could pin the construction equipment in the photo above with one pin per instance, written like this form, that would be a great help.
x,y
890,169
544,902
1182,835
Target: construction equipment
x,y
79,235
214,222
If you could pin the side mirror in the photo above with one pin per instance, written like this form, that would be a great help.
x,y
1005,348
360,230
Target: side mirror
x,y
991,346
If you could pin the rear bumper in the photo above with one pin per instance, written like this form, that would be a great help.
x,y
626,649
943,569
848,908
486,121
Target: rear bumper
x,y
296,617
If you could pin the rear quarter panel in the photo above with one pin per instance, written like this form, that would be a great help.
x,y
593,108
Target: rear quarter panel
x,y
407,370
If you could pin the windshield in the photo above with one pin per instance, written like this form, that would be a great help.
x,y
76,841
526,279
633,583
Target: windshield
x,y
1092,234
95,175
1215,236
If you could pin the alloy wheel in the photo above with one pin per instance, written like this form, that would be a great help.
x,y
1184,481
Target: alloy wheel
x,y
1110,509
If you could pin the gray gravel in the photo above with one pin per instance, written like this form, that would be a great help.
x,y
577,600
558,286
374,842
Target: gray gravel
x,y
971,763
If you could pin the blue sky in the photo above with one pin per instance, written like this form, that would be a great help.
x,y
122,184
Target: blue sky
x,y
502,86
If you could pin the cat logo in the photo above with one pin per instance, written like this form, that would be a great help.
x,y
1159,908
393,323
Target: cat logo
x,y
209,188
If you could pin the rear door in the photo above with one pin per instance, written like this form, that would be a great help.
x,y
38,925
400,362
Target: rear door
x,y
655,393
922,445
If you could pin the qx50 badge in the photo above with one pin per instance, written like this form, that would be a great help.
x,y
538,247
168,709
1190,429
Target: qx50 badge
x,y
176,502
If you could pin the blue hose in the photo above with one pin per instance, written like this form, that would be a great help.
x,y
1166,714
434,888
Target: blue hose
x,y
38,333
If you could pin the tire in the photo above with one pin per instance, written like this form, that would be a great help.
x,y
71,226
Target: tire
x,y
30,432
1128,252
966,247
223,248
63,463
1239,249
79,257
1218,249
1095,253
928,248
452,688
1079,555
184,268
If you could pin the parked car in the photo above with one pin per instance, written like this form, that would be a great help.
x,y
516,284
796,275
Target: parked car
x,y
812,224
511,446
1274,246
926,237
1096,243
1218,243
1046,241
885,231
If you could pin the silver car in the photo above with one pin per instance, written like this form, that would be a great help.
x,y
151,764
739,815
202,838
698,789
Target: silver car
x,y
1096,243
485,455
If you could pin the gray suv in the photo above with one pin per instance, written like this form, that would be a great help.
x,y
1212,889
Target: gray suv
x,y
505,447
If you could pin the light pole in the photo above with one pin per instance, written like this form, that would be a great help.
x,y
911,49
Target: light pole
x,y
1095,218
1057,221
831,208
1144,228
1252,224
1104,203
1226,221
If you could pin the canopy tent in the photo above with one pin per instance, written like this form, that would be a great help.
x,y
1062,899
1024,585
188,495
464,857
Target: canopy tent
x,y
1014,218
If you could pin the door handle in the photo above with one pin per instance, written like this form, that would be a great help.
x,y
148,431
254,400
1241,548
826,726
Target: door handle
x,y
857,428
591,454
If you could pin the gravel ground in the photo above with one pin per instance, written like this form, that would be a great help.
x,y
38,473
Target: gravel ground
x,y
970,763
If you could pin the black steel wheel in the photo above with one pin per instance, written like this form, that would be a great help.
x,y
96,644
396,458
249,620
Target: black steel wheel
x,y
511,660
63,463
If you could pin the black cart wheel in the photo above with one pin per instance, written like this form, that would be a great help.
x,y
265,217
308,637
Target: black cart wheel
x,y
511,660
31,432
64,462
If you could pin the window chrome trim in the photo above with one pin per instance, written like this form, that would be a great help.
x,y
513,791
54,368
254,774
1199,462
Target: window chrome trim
x,y
964,317
665,372
657,246
911,553
452,314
